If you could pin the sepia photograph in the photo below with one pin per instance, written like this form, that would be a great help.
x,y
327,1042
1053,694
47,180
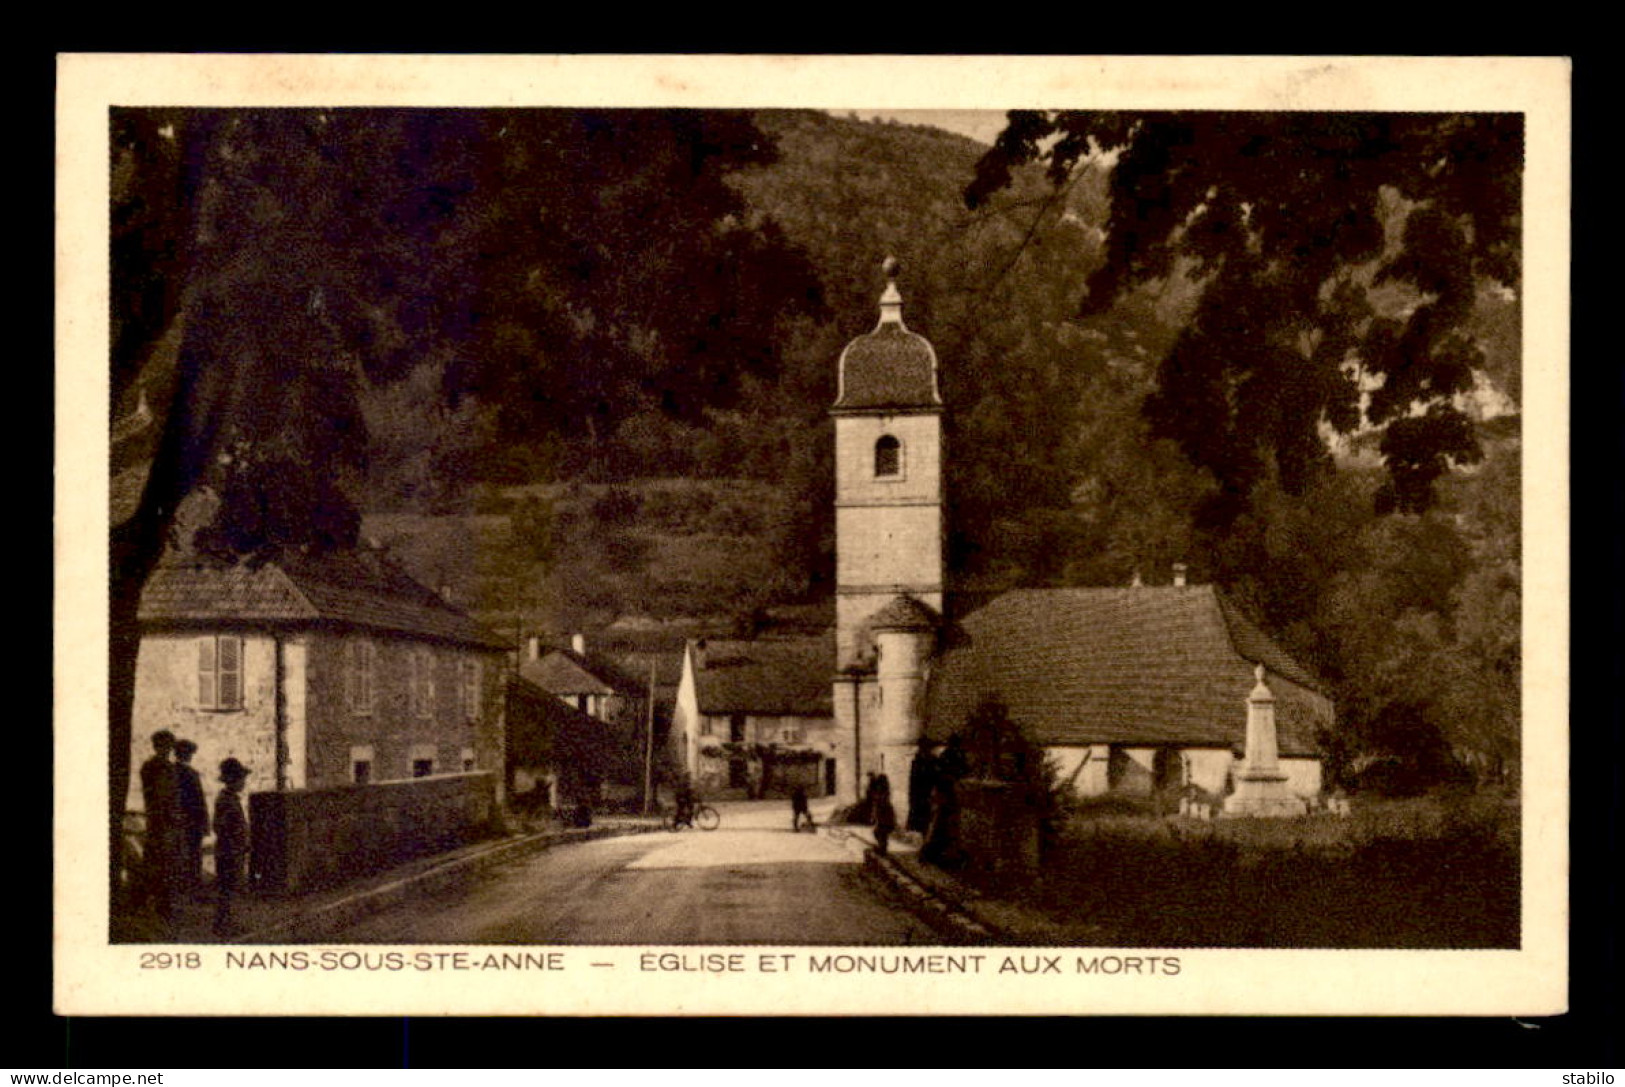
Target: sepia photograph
x,y
709,551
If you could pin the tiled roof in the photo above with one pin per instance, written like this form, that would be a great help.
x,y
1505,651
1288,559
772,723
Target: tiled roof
x,y
903,613
358,589
771,677
541,730
890,367
634,664
668,673
566,672
1149,665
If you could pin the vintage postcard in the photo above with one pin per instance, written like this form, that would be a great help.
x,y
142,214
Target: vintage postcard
x,y
825,535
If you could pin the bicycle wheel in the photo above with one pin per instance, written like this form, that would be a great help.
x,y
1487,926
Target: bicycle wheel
x,y
706,818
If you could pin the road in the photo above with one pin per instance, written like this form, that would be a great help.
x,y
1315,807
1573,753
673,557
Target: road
x,y
750,882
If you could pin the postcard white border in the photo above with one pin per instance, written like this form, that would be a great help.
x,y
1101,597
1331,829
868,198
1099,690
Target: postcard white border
x,y
94,978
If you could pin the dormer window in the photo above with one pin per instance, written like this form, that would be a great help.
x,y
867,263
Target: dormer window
x,y
888,457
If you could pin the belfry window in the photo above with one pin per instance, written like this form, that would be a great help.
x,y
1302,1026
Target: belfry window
x,y
888,456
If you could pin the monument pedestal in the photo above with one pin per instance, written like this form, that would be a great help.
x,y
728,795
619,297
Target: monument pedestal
x,y
1263,794
1261,790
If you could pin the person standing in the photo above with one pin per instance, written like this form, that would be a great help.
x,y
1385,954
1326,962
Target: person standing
x,y
799,809
230,842
194,815
160,804
866,810
922,777
885,820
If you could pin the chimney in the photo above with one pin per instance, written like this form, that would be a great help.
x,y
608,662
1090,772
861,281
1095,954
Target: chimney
x,y
1135,582
445,593
533,648
699,655
578,644
1179,575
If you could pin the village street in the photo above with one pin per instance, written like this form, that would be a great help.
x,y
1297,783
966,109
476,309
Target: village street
x,y
750,881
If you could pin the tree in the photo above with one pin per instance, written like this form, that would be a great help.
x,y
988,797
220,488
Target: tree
x,y
255,282
1296,225
618,272
269,265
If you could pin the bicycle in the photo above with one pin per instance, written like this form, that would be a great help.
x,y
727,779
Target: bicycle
x,y
704,816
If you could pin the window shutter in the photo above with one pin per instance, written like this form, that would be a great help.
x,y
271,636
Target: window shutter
x,y
205,674
358,676
422,682
471,689
352,676
414,686
230,674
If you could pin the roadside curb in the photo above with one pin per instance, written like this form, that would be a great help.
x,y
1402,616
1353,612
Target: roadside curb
x,y
314,921
952,914
943,909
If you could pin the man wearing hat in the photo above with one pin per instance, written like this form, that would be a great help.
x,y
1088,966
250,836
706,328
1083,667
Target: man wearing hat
x,y
230,841
160,804
194,814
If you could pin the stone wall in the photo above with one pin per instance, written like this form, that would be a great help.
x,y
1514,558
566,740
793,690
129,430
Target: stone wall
x,y
323,837
391,728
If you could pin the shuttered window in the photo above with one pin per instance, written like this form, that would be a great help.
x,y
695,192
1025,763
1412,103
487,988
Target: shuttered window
x,y
423,694
470,674
361,654
220,672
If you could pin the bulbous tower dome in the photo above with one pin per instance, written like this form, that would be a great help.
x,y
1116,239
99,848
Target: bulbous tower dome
x,y
890,368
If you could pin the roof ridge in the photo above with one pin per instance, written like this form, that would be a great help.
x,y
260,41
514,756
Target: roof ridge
x,y
293,586
1232,614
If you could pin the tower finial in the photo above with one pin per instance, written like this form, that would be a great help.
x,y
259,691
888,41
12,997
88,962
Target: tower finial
x,y
1261,689
891,300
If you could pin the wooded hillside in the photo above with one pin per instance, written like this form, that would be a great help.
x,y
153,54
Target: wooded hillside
x,y
592,364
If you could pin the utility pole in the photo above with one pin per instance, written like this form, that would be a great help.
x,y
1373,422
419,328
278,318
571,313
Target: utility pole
x,y
649,747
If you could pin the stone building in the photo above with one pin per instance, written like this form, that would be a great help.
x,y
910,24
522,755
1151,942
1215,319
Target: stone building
x,y
315,672
558,756
631,692
592,682
1131,689
768,695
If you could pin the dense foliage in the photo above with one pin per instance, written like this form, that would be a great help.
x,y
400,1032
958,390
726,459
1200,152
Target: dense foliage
x,y
570,269
1439,872
1355,282
1290,220
523,325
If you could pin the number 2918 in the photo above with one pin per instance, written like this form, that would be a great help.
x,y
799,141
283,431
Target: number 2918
x,y
171,960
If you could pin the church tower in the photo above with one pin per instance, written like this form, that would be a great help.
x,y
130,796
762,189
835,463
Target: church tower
x,y
888,538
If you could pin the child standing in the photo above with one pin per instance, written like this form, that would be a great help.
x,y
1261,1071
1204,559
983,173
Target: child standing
x,y
230,841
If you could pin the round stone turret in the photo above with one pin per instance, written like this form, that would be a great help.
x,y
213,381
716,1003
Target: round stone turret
x,y
903,613
904,632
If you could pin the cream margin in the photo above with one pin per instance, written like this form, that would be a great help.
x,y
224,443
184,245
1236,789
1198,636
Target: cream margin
x,y
93,978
